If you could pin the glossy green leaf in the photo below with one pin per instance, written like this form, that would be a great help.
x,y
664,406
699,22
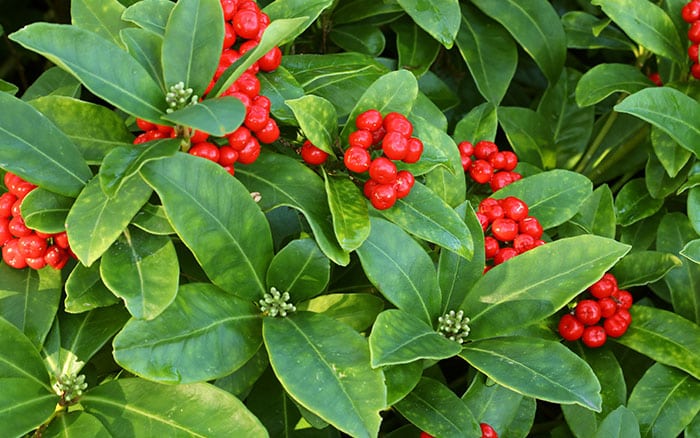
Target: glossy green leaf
x,y
349,211
586,31
143,270
536,26
398,337
633,203
307,9
147,48
417,50
140,408
54,81
358,310
672,157
434,408
86,291
646,24
643,267
361,38
641,235
537,283
45,211
401,379
401,269
279,85
7,87
480,123
597,213
528,134
123,162
192,44
152,218
75,424
93,128
217,219
664,401
691,251
620,423
103,17
367,11
217,117
436,95
492,403
425,215
29,299
605,79
664,337
535,367
317,119
270,403
301,269
220,327
490,54
36,150
151,15
438,150
553,197
669,110
96,220
439,18
284,181
240,382
103,67
659,183
332,356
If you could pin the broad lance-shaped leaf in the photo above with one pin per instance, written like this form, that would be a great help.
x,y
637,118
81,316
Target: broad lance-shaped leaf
x,y
529,135
54,81
27,398
417,49
397,338
536,367
301,269
75,423
358,310
436,409
317,119
217,117
102,17
643,267
146,47
665,337
217,219
284,181
620,423
401,269
85,290
103,67
425,215
35,149
95,221
605,79
669,110
537,283
349,211
309,10
324,366
219,326
440,18
137,407
143,270
151,15
45,211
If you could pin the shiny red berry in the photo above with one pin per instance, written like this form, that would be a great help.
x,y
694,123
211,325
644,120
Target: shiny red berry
x,y
608,307
32,246
588,312
530,225
312,155
484,149
395,145
361,138
397,122
269,133
602,288
7,200
271,60
504,229
693,52
570,328
18,228
256,118
514,208
5,234
415,150
623,298
227,156
404,183
594,336
504,254
383,170
487,431
205,150
371,120
246,24
500,180
524,242
691,11
694,32
383,196
56,257
250,152
12,255
481,171
357,159
466,148
491,247
615,326
61,240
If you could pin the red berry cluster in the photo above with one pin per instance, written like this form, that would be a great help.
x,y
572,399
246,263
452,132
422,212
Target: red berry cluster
x,y
486,432
392,134
605,313
22,246
509,230
655,77
691,15
486,164
244,24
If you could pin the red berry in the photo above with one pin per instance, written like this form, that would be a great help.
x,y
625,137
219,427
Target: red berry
x,y
615,326
570,328
56,257
36,263
256,118
21,189
514,208
61,240
271,60
691,11
12,255
368,187
229,35
511,160
262,101
312,155
491,208
483,220
425,435
248,84
18,228
205,150
269,133
239,138
378,135
504,229
491,247
588,312
415,150
693,52
466,162
500,180
694,32
371,120
7,200
383,170
484,149
395,145
594,336
695,70
623,298
602,288
246,24
145,125
5,234
229,7
397,122
481,171
608,307
250,152
466,149
383,196
357,159
198,136
530,225
361,138
504,254
227,156
523,242
31,246
487,431
625,315
16,209
404,183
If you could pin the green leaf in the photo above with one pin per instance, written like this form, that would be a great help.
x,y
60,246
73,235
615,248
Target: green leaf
x,y
528,134
398,338
192,44
317,119
104,68
440,18
270,403
553,197
217,117
310,351
349,211
605,79
96,220
358,310
240,382
417,49
217,219
166,350
537,283
93,128
143,270
480,123
633,203
361,38
669,110
427,216
29,299
151,15
643,267
367,11
307,9
140,408
536,367
438,150
73,424
103,17
284,181
7,87
672,156
36,150
646,24
620,423
301,269
401,269
691,251
434,408
597,213
53,82
490,54
121,163
664,401
279,86
586,31
86,291
664,337
536,26
147,48
152,218
45,211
